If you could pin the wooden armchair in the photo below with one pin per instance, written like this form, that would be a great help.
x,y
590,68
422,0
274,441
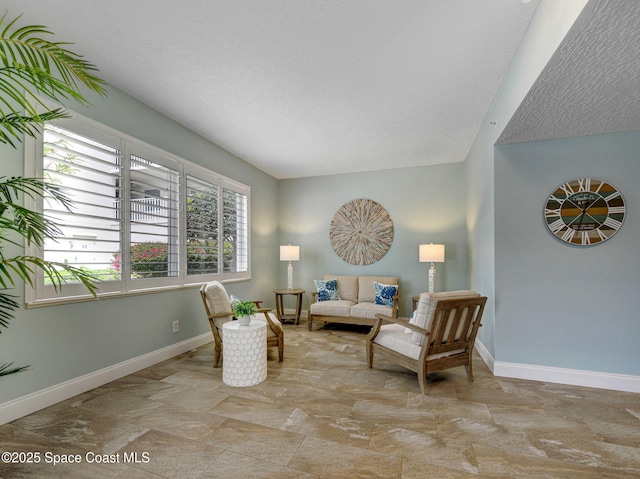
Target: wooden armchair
x,y
217,305
440,336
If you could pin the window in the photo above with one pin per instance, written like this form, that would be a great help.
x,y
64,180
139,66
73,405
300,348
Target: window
x,y
234,227
203,249
154,214
142,218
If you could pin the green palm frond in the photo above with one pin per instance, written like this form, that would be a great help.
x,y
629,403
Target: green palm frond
x,y
33,228
31,65
13,124
23,267
5,371
7,306
11,188
28,224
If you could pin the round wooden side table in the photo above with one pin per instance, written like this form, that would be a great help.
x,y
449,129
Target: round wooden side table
x,y
280,293
244,353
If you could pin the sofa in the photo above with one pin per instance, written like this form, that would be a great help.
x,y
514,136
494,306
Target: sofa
x,y
353,299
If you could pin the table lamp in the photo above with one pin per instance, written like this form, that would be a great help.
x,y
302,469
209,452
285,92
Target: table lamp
x,y
431,253
290,253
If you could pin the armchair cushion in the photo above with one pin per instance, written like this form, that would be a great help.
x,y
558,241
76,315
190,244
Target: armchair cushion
x,y
327,289
392,336
412,320
274,320
427,305
218,301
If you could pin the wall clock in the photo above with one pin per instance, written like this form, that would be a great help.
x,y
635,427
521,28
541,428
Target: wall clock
x,y
361,232
585,211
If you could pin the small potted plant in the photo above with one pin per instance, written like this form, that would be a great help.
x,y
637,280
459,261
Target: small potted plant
x,y
243,311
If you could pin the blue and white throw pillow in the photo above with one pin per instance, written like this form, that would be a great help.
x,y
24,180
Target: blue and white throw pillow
x,y
327,289
385,293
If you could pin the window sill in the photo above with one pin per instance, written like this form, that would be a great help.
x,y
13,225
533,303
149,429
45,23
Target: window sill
x,y
41,303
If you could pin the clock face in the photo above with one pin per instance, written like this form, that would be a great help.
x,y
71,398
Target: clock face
x,y
584,211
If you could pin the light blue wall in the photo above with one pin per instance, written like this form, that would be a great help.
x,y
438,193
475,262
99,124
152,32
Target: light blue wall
x,y
426,204
549,25
560,305
67,341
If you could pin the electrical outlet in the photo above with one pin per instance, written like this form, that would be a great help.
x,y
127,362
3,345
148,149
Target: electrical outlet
x,y
176,326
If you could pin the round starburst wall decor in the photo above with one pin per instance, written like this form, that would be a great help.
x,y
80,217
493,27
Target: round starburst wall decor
x,y
361,232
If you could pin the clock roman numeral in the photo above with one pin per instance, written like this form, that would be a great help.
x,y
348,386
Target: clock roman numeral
x,y
556,226
614,195
615,210
569,234
613,224
549,212
584,184
585,237
568,190
597,190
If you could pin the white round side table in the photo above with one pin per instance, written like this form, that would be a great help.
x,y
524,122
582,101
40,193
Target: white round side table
x,y
244,355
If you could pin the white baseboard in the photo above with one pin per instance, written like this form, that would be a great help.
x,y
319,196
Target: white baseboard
x,y
573,377
22,406
485,355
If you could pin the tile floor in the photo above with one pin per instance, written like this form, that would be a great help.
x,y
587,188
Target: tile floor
x,y
323,414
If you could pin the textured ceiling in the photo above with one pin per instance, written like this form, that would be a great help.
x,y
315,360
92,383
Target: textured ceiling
x,y
591,84
304,87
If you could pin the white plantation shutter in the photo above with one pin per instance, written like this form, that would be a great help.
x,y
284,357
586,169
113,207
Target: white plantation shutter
x,y
153,218
217,218
235,212
142,218
88,170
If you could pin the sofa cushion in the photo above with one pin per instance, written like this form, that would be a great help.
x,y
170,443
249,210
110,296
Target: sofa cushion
x,y
340,307
385,293
369,310
347,286
327,289
366,289
427,305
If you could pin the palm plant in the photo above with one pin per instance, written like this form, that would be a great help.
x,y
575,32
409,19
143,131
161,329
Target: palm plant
x,y
32,67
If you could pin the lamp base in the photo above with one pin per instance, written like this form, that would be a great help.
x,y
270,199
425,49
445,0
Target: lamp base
x,y
432,278
290,276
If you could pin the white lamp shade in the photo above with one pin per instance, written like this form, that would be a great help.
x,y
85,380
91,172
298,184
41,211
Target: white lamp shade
x,y
431,253
289,253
